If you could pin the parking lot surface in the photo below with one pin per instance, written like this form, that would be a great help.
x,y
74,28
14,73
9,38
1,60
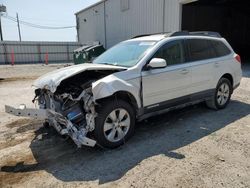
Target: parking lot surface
x,y
191,147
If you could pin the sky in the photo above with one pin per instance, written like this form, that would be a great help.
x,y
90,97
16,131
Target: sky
x,y
43,12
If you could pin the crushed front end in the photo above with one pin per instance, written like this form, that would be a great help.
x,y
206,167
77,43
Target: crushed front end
x,y
70,115
66,101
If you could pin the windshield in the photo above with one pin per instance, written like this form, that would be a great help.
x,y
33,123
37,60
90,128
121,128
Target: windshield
x,y
125,54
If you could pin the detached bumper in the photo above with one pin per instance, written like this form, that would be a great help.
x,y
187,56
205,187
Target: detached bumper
x,y
57,120
27,112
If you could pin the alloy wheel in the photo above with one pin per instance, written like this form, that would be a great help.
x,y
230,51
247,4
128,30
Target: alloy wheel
x,y
223,94
116,125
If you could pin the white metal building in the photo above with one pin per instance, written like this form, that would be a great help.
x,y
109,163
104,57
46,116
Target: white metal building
x,y
112,21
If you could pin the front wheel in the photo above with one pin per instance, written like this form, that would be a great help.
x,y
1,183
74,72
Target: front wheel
x,y
222,95
114,124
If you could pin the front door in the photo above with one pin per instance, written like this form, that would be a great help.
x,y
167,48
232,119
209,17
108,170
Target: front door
x,y
165,87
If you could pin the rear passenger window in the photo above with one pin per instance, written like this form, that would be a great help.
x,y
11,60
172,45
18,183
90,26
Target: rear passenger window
x,y
220,48
200,49
172,52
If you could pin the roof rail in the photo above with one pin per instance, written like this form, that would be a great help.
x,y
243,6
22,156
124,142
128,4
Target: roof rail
x,y
206,33
196,33
183,33
144,35
179,33
138,36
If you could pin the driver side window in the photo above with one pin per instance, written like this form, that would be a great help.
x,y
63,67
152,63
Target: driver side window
x,y
172,52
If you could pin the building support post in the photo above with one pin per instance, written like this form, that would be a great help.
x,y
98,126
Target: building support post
x,y
164,14
105,25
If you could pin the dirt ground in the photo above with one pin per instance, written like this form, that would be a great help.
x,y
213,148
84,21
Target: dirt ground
x,y
192,147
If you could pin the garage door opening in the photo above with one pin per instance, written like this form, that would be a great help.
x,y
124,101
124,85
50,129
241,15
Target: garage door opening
x,y
231,18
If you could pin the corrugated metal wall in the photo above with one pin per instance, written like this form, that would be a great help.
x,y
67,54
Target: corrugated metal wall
x,y
35,52
142,17
91,25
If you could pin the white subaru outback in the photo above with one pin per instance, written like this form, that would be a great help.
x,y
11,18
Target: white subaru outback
x,y
99,103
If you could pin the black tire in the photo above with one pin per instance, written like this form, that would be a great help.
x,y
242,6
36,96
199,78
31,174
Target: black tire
x,y
104,111
214,103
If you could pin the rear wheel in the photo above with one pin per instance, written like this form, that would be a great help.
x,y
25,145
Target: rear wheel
x,y
114,123
222,95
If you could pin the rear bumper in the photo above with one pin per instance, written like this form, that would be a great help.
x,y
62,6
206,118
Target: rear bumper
x,y
57,120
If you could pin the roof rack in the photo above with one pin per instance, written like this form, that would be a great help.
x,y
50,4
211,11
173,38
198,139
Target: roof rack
x,y
145,35
179,33
196,33
183,33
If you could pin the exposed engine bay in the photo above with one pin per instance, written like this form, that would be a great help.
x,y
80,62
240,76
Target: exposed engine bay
x,y
73,100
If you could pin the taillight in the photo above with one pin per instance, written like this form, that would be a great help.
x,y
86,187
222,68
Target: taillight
x,y
237,57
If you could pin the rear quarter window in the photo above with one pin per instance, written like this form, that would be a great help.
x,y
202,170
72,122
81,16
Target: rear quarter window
x,y
220,48
200,49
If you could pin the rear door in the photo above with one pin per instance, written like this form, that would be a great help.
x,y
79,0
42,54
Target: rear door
x,y
201,57
221,63
167,86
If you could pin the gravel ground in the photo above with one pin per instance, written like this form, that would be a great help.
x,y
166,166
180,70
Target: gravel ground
x,y
191,147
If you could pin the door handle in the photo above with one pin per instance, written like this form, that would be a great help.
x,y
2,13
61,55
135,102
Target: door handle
x,y
216,64
184,71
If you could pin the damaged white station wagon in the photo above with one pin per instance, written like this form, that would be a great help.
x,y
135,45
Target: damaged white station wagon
x,y
138,78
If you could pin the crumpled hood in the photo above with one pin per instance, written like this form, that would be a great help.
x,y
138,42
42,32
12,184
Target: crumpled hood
x,y
53,79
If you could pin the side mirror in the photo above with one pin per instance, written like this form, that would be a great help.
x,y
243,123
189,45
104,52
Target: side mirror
x,y
157,63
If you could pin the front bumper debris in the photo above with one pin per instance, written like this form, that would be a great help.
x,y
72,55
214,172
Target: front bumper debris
x,y
57,120
27,112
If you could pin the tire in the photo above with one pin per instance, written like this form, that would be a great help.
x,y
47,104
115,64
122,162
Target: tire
x,y
221,96
114,124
